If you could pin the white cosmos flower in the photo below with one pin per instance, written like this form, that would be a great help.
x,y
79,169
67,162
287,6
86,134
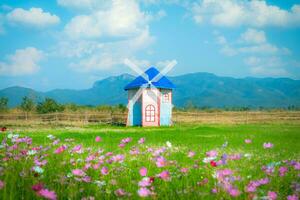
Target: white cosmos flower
x,y
169,145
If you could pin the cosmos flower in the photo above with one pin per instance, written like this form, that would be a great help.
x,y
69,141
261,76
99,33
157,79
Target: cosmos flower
x,y
47,194
292,197
144,192
145,182
212,153
169,144
191,154
37,187
268,145
120,192
1,184
248,141
141,141
160,161
78,172
272,195
98,139
60,149
165,175
234,192
104,170
143,171
282,170
213,163
184,170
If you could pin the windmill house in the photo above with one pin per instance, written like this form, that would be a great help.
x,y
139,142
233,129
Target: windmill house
x,y
150,100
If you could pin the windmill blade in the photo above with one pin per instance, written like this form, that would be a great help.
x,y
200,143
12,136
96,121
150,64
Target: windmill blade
x,y
164,71
158,91
136,96
136,69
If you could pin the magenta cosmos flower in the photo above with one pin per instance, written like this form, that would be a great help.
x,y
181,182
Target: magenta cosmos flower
x,y
292,197
98,139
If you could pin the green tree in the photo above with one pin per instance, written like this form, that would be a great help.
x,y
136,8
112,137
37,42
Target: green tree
x,y
3,104
48,106
27,105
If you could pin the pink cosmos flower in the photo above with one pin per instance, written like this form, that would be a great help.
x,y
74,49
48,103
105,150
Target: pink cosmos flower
x,y
282,171
248,141
272,195
145,182
191,154
143,171
120,192
77,149
165,175
1,184
118,158
234,192
297,166
184,170
292,197
268,145
104,170
47,194
60,149
141,141
121,145
212,153
98,139
234,156
78,172
144,192
160,161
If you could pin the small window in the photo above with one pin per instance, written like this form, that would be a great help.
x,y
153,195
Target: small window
x,y
150,113
166,98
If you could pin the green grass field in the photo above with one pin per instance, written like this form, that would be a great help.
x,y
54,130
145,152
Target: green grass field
x,y
183,177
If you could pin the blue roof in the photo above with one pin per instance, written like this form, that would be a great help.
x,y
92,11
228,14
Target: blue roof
x,y
139,81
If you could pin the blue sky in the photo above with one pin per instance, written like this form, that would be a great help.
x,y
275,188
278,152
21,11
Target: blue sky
x,y
72,43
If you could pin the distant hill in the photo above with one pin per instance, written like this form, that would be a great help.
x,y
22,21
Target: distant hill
x,y
200,89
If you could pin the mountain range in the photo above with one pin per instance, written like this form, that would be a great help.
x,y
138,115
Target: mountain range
x,y
198,89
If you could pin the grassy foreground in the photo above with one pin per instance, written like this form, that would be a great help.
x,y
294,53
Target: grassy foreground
x,y
181,162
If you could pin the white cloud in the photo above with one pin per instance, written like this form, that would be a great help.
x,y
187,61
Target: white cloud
x,y
23,62
266,66
35,17
84,4
100,39
253,36
111,54
121,19
232,13
252,41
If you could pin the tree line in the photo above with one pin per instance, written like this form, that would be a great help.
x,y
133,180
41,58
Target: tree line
x,y
49,105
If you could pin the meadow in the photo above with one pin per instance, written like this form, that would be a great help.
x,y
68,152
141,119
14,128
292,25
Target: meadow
x,y
196,161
